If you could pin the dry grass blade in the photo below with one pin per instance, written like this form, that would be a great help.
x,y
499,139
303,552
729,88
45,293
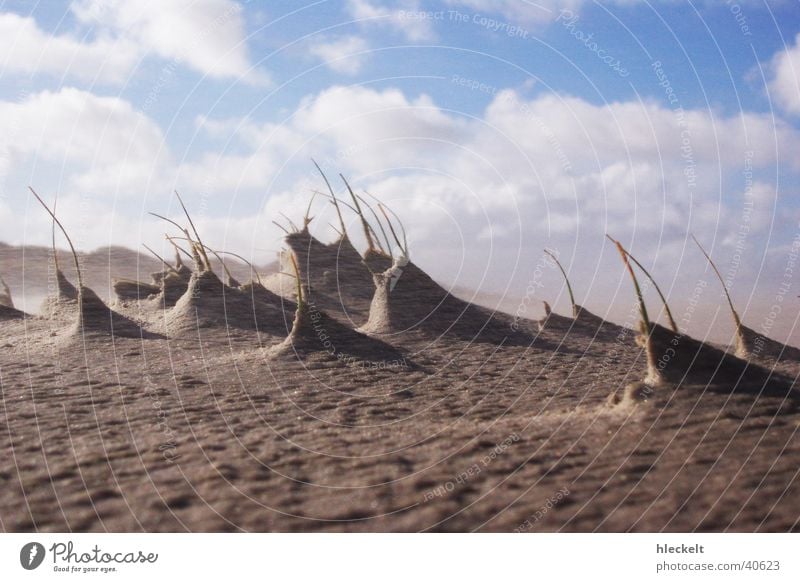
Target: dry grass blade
x,y
291,223
194,256
201,263
202,247
63,230
253,270
178,249
673,326
642,307
157,256
219,258
353,208
388,248
53,232
722,281
364,223
566,279
341,234
333,198
306,219
279,225
403,247
383,209
172,222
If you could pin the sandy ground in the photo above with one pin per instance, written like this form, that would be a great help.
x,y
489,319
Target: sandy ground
x,y
215,429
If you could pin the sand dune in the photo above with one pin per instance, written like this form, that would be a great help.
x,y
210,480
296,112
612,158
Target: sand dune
x,y
379,410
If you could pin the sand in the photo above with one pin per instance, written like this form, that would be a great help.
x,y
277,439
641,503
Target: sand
x,y
451,422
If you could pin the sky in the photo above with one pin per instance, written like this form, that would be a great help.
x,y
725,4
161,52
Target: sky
x,y
495,129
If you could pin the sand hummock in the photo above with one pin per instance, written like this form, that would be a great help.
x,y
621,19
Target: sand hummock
x,y
9,313
315,332
760,347
130,290
65,301
176,434
679,359
173,286
583,323
5,295
338,280
94,317
7,309
208,302
408,300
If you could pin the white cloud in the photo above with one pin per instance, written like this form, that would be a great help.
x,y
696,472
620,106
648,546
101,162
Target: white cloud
x,y
404,16
341,54
785,83
206,35
28,49
101,142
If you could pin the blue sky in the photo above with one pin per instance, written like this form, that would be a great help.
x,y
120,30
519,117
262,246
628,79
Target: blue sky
x,y
494,127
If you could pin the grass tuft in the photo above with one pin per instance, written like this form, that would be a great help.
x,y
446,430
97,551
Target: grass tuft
x,y
642,307
569,287
673,326
63,230
741,347
333,199
201,248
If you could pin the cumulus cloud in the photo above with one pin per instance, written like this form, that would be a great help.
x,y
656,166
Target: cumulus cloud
x,y
785,83
341,54
205,35
403,17
30,50
102,142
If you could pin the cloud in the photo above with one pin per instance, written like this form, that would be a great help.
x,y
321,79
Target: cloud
x,y
101,142
785,83
340,54
29,50
405,17
206,35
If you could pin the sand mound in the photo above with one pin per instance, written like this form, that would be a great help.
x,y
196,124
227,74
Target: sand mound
x,y
585,322
7,309
129,290
406,299
589,319
680,359
208,302
5,295
335,274
260,298
10,313
65,301
96,318
173,286
761,347
316,332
